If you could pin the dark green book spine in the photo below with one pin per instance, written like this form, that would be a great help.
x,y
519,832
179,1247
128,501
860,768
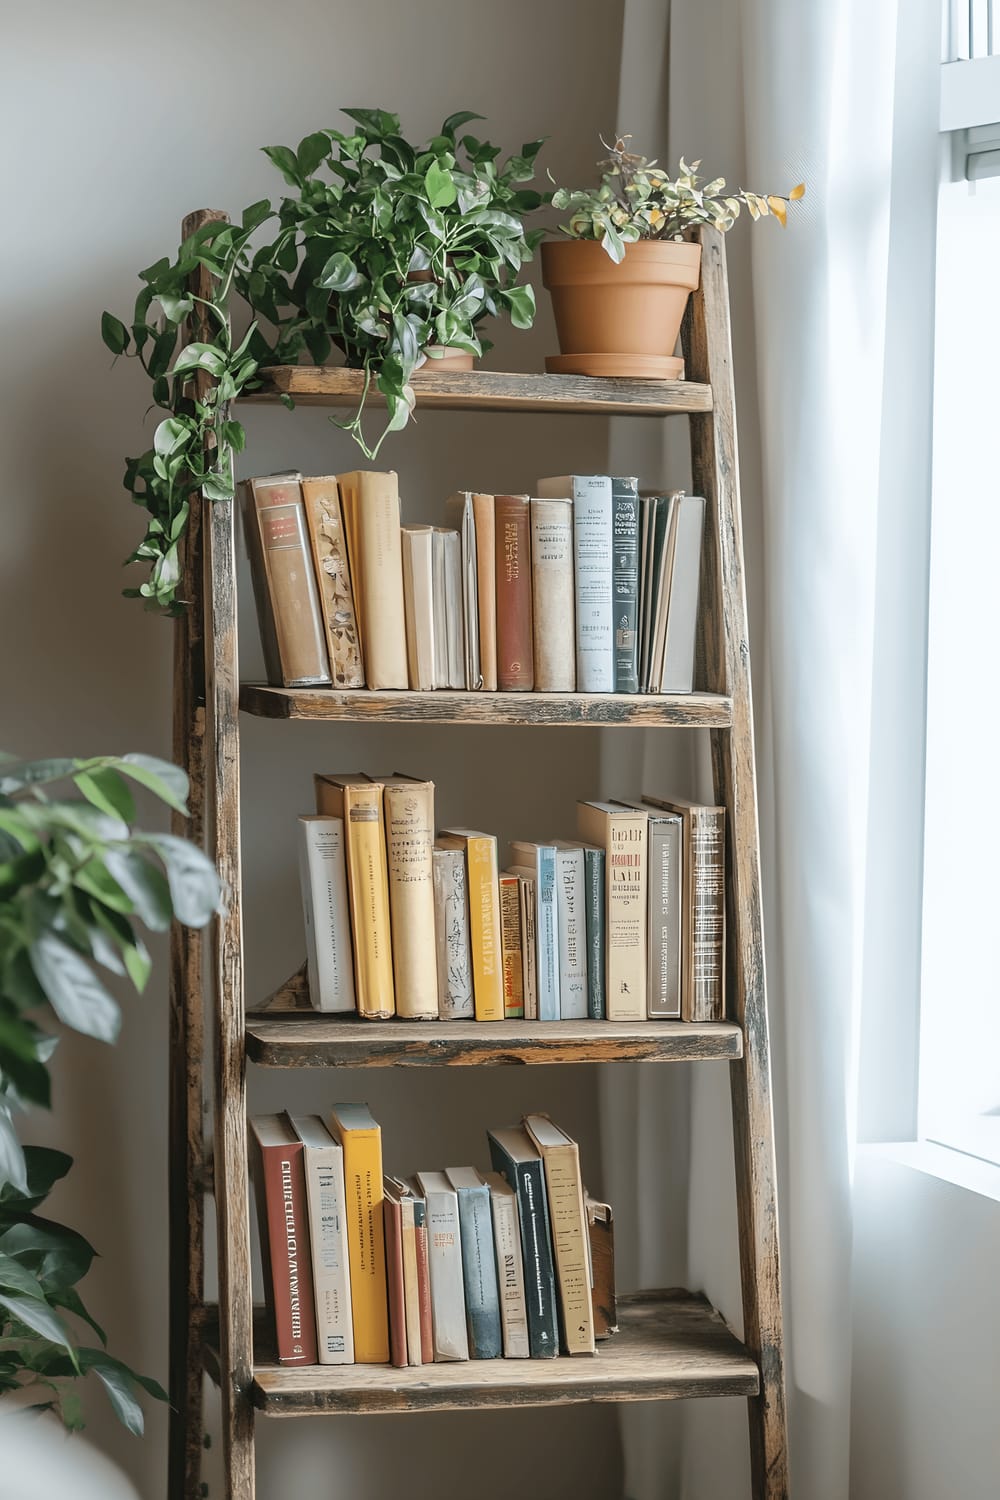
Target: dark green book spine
x,y
593,872
527,1178
625,582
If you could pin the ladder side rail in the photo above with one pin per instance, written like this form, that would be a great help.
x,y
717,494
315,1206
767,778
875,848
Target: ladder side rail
x,y
726,664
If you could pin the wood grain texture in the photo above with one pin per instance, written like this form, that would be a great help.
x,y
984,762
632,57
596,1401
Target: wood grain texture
x,y
491,390
316,1041
186,1063
715,471
671,1345
359,705
230,1139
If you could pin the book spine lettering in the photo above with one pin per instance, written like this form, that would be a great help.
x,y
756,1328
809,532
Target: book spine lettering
x,y
484,929
323,879
707,887
510,1273
451,1339
572,932
291,583
321,499
368,888
664,976
526,891
291,1272
423,1281
324,1176
569,1242
510,935
547,942
451,919
482,1304
552,590
595,659
515,666
366,1245
527,1180
593,864
625,581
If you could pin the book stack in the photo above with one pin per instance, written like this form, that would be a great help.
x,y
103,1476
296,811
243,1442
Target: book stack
x,y
625,923
361,1267
588,586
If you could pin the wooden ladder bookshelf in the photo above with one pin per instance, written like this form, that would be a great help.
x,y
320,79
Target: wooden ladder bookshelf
x,y
672,1344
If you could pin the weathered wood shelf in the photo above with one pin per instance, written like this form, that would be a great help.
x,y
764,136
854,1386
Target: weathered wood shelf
x,y
671,1345
491,390
289,1040
362,706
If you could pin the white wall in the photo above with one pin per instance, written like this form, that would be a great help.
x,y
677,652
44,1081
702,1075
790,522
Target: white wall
x,y
926,1326
118,119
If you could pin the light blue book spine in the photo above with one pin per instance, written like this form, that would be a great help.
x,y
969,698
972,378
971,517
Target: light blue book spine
x,y
592,544
593,872
547,935
479,1268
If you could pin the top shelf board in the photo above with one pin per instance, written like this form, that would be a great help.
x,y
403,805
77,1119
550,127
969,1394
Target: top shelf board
x,y
492,390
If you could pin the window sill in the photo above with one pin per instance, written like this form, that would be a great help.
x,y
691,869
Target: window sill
x,y
933,1160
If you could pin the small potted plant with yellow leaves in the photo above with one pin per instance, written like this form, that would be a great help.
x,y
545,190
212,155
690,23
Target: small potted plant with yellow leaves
x,y
621,278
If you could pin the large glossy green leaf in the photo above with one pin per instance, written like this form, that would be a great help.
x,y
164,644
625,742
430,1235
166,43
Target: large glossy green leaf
x,y
106,790
144,884
74,991
166,781
17,1280
39,1317
194,884
14,775
12,1164
59,1256
44,1168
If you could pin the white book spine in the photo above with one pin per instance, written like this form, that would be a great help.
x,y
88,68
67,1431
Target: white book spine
x,y
510,1269
323,878
572,928
595,660
324,1173
444,1248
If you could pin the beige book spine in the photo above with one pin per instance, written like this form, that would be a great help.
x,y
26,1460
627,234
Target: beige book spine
x,y
510,936
321,499
486,580
552,596
290,583
510,1267
359,804
570,1238
623,834
411,1286
526,892
371,517
418,606
409,838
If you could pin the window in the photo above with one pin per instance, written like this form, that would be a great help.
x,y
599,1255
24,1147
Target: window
x,y
959,1101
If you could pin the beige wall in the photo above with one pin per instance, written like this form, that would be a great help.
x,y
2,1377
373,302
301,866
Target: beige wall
x,y
119,118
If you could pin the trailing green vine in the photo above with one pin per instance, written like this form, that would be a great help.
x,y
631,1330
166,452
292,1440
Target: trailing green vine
x,y
388,251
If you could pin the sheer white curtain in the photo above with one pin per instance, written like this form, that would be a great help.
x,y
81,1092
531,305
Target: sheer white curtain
x,y
767,93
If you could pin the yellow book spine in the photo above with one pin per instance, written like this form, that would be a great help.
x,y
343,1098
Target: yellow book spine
x,y
567,1218
368,888
484,929
366,1244
409,837
510,932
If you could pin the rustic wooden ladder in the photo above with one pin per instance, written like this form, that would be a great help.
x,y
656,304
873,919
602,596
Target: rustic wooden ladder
x,y
672,1344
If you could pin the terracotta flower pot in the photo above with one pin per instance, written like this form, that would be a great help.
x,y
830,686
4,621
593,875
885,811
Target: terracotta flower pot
x,y
444,361
619,319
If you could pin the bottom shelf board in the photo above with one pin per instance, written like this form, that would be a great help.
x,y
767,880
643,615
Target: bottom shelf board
x,y
670,1345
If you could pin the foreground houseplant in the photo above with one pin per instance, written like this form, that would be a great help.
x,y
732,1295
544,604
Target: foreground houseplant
x,y
621,279
391,252
75,878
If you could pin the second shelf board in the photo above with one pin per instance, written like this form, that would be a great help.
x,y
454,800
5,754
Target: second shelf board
x,y
491,390
671,1345
446,706
295,1040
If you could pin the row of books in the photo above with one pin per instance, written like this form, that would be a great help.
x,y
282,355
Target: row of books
x,y
365,1268
626,923
588,586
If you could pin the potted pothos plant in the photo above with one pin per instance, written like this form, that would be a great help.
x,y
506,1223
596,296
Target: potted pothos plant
x,y
76,879
393,254
621,277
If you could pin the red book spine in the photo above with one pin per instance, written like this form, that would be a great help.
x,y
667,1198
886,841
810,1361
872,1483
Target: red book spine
x,y
515,671
288,1242
424,1292
394,1276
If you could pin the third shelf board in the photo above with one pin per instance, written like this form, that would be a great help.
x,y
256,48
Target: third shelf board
x,y
363,706
671,1345
288,1039
491,390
